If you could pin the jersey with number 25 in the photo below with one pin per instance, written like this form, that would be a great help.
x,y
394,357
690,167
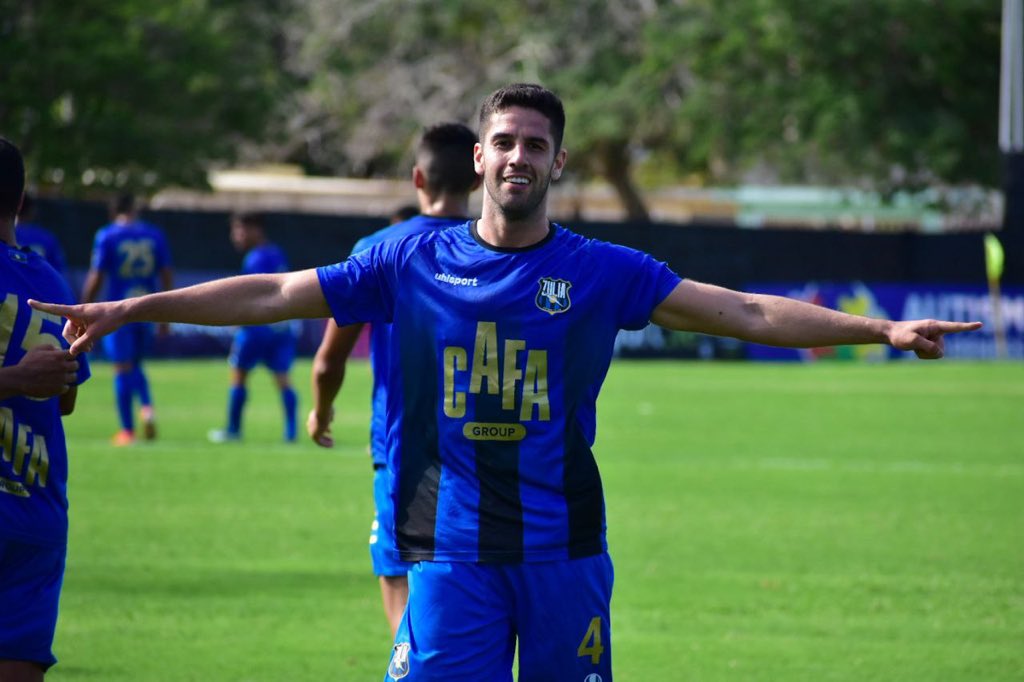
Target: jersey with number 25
x,y
131,256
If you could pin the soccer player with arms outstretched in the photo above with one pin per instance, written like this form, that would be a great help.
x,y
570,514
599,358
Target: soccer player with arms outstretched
x,y
444,177
132,258
38,384
504,329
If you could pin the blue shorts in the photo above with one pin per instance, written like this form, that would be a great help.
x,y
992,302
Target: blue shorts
x,y
463,620
272,347
130,343
383,552
30,582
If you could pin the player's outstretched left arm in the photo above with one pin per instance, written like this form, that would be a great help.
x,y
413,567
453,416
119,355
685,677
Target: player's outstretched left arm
x,y
243,300
779,321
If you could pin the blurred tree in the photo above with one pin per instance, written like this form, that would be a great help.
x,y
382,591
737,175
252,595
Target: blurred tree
x,y
890,93
377,71
135,93
883,92
886,92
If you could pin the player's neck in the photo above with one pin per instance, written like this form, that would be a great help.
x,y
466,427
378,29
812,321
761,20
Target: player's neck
x,y
445,206
497,229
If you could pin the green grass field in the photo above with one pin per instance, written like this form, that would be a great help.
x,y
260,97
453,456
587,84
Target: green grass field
x,y
767,522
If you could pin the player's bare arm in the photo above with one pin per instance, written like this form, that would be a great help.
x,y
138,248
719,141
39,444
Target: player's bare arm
x,y
166,284
780,321
328,377
243,300
91,287
43,372
68,400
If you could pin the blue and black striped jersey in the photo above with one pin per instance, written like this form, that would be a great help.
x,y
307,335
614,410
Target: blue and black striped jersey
x,y
496,363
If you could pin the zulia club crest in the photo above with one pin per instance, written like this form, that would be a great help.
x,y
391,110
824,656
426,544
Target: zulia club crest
x,y
553,295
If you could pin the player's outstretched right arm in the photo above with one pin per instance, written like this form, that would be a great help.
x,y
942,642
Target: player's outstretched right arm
x,y
244,300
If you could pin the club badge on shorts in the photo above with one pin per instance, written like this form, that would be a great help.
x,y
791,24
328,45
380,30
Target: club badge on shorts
x,y
553,295
399,667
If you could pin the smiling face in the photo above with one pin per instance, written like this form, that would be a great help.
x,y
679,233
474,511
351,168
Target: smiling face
x,y
518,160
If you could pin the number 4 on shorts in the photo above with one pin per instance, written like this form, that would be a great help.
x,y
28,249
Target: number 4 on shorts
x,y
591,644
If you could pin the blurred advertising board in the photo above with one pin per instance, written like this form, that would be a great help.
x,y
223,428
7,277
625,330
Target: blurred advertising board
x,y
903,302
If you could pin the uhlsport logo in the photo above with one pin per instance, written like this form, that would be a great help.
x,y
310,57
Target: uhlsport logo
x,y
553,295
592,677
457,281
399,667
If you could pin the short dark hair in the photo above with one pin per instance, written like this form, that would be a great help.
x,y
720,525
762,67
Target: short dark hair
x,y
528,96
445,155
248,218
12,178
122,204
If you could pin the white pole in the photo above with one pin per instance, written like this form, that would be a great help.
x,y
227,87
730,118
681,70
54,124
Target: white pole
x,y
1011,79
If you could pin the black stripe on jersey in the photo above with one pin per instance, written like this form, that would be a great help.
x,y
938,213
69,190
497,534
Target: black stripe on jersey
x,y
581,480
420,466
584,495
500,510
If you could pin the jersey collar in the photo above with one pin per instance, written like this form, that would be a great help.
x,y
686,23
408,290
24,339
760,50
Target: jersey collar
x,y
511,249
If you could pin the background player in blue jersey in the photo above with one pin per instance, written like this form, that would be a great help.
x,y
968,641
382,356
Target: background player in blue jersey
x,y
132,259
504,329
38,384
271,345
39,239
443,177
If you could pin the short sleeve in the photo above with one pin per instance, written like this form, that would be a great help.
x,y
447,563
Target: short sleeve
x,y
648,282
359,289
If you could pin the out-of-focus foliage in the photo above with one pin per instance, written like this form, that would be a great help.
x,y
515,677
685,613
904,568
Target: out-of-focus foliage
x,y
135,93
380,70
891,91
881,92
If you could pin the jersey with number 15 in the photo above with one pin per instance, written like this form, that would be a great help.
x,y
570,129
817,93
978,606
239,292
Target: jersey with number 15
x,y
33,454
131,256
